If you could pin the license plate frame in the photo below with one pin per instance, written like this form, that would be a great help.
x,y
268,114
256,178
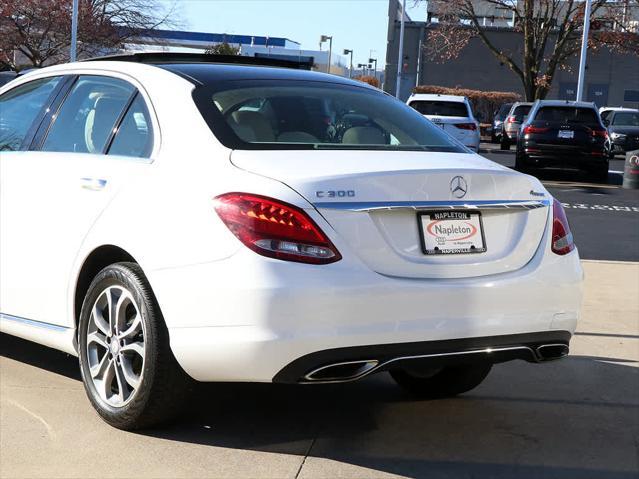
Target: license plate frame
x,y
425,218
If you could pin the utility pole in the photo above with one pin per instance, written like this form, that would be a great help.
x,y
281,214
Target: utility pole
x,y
400,58
584,51
73,55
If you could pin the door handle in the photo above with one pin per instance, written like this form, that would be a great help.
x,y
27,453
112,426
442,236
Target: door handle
x,y
93,184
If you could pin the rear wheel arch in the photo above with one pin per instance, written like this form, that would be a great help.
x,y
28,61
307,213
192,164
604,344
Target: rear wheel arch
x,y
95,262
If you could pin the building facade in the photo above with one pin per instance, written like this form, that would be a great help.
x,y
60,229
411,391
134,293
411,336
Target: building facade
x,y
611,78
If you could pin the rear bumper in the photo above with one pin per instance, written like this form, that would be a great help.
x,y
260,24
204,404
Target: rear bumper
x,y
247,318
349,364
558,156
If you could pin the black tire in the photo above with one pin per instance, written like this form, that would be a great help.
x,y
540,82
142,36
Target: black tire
x,y
163,384
448,381
504,144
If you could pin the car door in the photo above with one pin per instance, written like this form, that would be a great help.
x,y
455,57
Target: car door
x,y
54,193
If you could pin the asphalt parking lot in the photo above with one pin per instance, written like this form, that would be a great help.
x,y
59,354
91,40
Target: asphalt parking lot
x,y
577,418
604,217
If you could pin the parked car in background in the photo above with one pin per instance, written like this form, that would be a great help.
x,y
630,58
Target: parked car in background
x,y
498,122
606,111
512,124
454,114
623,131
563,134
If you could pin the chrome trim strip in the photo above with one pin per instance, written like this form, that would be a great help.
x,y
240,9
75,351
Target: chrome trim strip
x,y
404,358
433,205
31,322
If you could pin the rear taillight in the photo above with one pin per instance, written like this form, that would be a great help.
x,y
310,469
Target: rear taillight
x,y
599,134
562,241
511,119
466,126
275,229
535,129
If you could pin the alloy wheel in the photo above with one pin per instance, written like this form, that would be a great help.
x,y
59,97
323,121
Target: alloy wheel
x,y
116,346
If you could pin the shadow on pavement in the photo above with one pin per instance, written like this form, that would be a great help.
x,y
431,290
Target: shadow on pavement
x,y
576,418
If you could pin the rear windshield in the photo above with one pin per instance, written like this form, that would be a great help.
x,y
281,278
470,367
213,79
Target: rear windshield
x,y
503,111
566,114
440,108
626,119
520,112
291,114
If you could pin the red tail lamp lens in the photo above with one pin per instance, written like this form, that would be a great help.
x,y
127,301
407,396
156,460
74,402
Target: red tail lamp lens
x,y
535,129
562,241
275,229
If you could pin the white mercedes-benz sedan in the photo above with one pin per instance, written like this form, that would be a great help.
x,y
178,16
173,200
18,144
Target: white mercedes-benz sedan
x,y
175,217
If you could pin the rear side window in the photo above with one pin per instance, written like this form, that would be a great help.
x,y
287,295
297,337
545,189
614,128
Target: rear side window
x,y
503,111
565,114
440,108
85,122
135,134
19,108
520,112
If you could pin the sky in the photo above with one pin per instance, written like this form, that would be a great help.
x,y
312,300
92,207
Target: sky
x,y
360,25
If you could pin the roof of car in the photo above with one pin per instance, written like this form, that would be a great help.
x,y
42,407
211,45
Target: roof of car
x,y
576,104
616,108
437,96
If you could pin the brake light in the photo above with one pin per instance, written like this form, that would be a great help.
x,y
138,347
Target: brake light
x,y
511,119
562,241
275,229
466,126
535,129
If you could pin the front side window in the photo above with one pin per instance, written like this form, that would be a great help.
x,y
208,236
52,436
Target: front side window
x,y
290,114
85,122
19,108
135,135
626,119
440,108
567,114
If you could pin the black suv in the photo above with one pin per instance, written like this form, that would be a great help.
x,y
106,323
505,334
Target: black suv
x,y
563,134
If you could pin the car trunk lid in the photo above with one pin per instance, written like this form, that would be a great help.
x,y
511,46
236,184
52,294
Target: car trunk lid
x,y
372,200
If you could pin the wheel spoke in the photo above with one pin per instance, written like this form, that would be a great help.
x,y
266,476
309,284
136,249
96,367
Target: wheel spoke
x,y
99,320
97,338
110,309
136,325
107,380
130,377
137,348
123,388
119,311
99,370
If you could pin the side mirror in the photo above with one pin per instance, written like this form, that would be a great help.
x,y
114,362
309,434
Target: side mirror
x,y
606,122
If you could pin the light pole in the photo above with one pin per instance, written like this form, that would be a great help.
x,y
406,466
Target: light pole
x,y
73,54
350,70
373,60
584,50
324,38
400,57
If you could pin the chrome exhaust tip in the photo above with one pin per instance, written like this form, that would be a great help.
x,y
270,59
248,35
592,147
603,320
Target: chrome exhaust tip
x,y
550,352
339,372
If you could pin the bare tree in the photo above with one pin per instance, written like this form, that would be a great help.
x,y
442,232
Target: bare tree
x,y
40,30
551,31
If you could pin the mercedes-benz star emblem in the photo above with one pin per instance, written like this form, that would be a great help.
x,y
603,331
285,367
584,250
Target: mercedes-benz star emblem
x,y
458,187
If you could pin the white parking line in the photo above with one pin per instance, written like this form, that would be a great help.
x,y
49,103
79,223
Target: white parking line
x,y
585,206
